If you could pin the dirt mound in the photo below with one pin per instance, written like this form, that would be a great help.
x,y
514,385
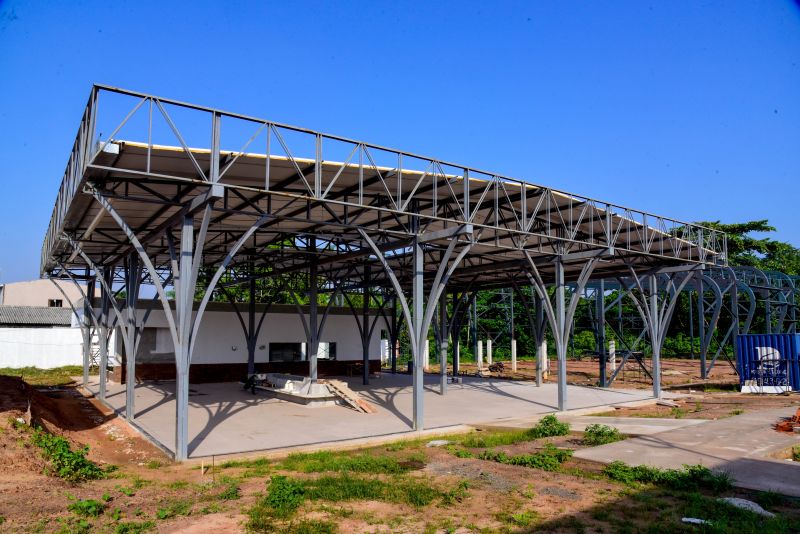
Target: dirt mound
x,y
65,412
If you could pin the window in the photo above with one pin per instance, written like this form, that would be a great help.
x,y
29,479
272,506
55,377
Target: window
x,y
285,352
55,303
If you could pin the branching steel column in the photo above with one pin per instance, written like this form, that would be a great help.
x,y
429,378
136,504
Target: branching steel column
x,y
133,273
417,290
184,297
393,335
251,324
561,325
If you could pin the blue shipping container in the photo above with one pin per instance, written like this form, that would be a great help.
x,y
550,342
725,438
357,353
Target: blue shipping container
x,y
769,359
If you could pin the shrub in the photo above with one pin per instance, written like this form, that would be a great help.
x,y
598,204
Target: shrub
x,y
549,426
689,478
285,496
87,508
601,434
70,465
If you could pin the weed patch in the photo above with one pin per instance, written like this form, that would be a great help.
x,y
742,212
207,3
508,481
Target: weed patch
x,y
600,435
548,426
548,459
134,527
690,478
70,465
174,509
87,507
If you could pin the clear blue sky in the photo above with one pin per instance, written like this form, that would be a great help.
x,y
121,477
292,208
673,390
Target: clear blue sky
x,y
686,109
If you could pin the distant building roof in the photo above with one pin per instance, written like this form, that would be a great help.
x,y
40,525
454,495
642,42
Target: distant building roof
x,y
34,316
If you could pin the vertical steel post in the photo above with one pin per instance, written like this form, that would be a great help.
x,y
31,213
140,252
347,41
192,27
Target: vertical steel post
x,y
393,335
561,326
251,324
538,334
443,344
313,345
184,297
419,335
132,274
473,327
655,335
600,319
104,335
365,325
701,323
87,332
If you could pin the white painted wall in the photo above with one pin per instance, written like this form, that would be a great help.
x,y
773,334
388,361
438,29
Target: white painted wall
x,y
221,338
40,347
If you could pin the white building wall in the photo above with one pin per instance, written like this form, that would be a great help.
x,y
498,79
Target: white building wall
x,y
221,338
40,347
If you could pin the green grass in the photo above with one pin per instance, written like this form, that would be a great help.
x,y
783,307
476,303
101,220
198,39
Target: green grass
x,y
134,527
231,493
318,462
601,434
727,518
60,376
548,426
312,526
796,453
548,459
690,478
285,495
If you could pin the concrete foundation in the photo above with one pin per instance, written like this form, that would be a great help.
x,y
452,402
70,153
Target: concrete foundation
x,y
225,419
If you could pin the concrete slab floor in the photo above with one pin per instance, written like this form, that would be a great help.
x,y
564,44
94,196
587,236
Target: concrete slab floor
x,y
225,419
741,445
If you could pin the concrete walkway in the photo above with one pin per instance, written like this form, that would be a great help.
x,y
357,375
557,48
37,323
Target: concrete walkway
x,y
740,445
224,419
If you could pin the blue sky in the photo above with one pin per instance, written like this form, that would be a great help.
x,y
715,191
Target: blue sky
x,y
685,109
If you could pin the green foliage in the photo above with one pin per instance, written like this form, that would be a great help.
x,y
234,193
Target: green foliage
x,y
763,253
457,494
548,426
128,492
727,518
548,459
174,509
601,434
134,527
285,496
796,453
231,493
317,462
689,478
520,519
86,507
153,464
344,487
70,465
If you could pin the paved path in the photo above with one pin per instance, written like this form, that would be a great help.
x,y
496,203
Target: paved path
x,y
740,445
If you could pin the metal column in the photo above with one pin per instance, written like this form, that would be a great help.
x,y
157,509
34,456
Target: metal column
x,y
417,292
443,343
600,319
655,336
561,327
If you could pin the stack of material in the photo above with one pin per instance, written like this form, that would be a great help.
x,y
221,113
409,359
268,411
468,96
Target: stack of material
x,y
348,396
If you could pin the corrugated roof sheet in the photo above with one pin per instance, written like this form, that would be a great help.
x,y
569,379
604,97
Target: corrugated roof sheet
x,y
35,315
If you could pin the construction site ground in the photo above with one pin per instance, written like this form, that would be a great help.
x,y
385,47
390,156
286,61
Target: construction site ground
x,y
148,492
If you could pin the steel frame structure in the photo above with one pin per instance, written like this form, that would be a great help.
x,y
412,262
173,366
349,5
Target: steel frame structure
x,y
193,214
